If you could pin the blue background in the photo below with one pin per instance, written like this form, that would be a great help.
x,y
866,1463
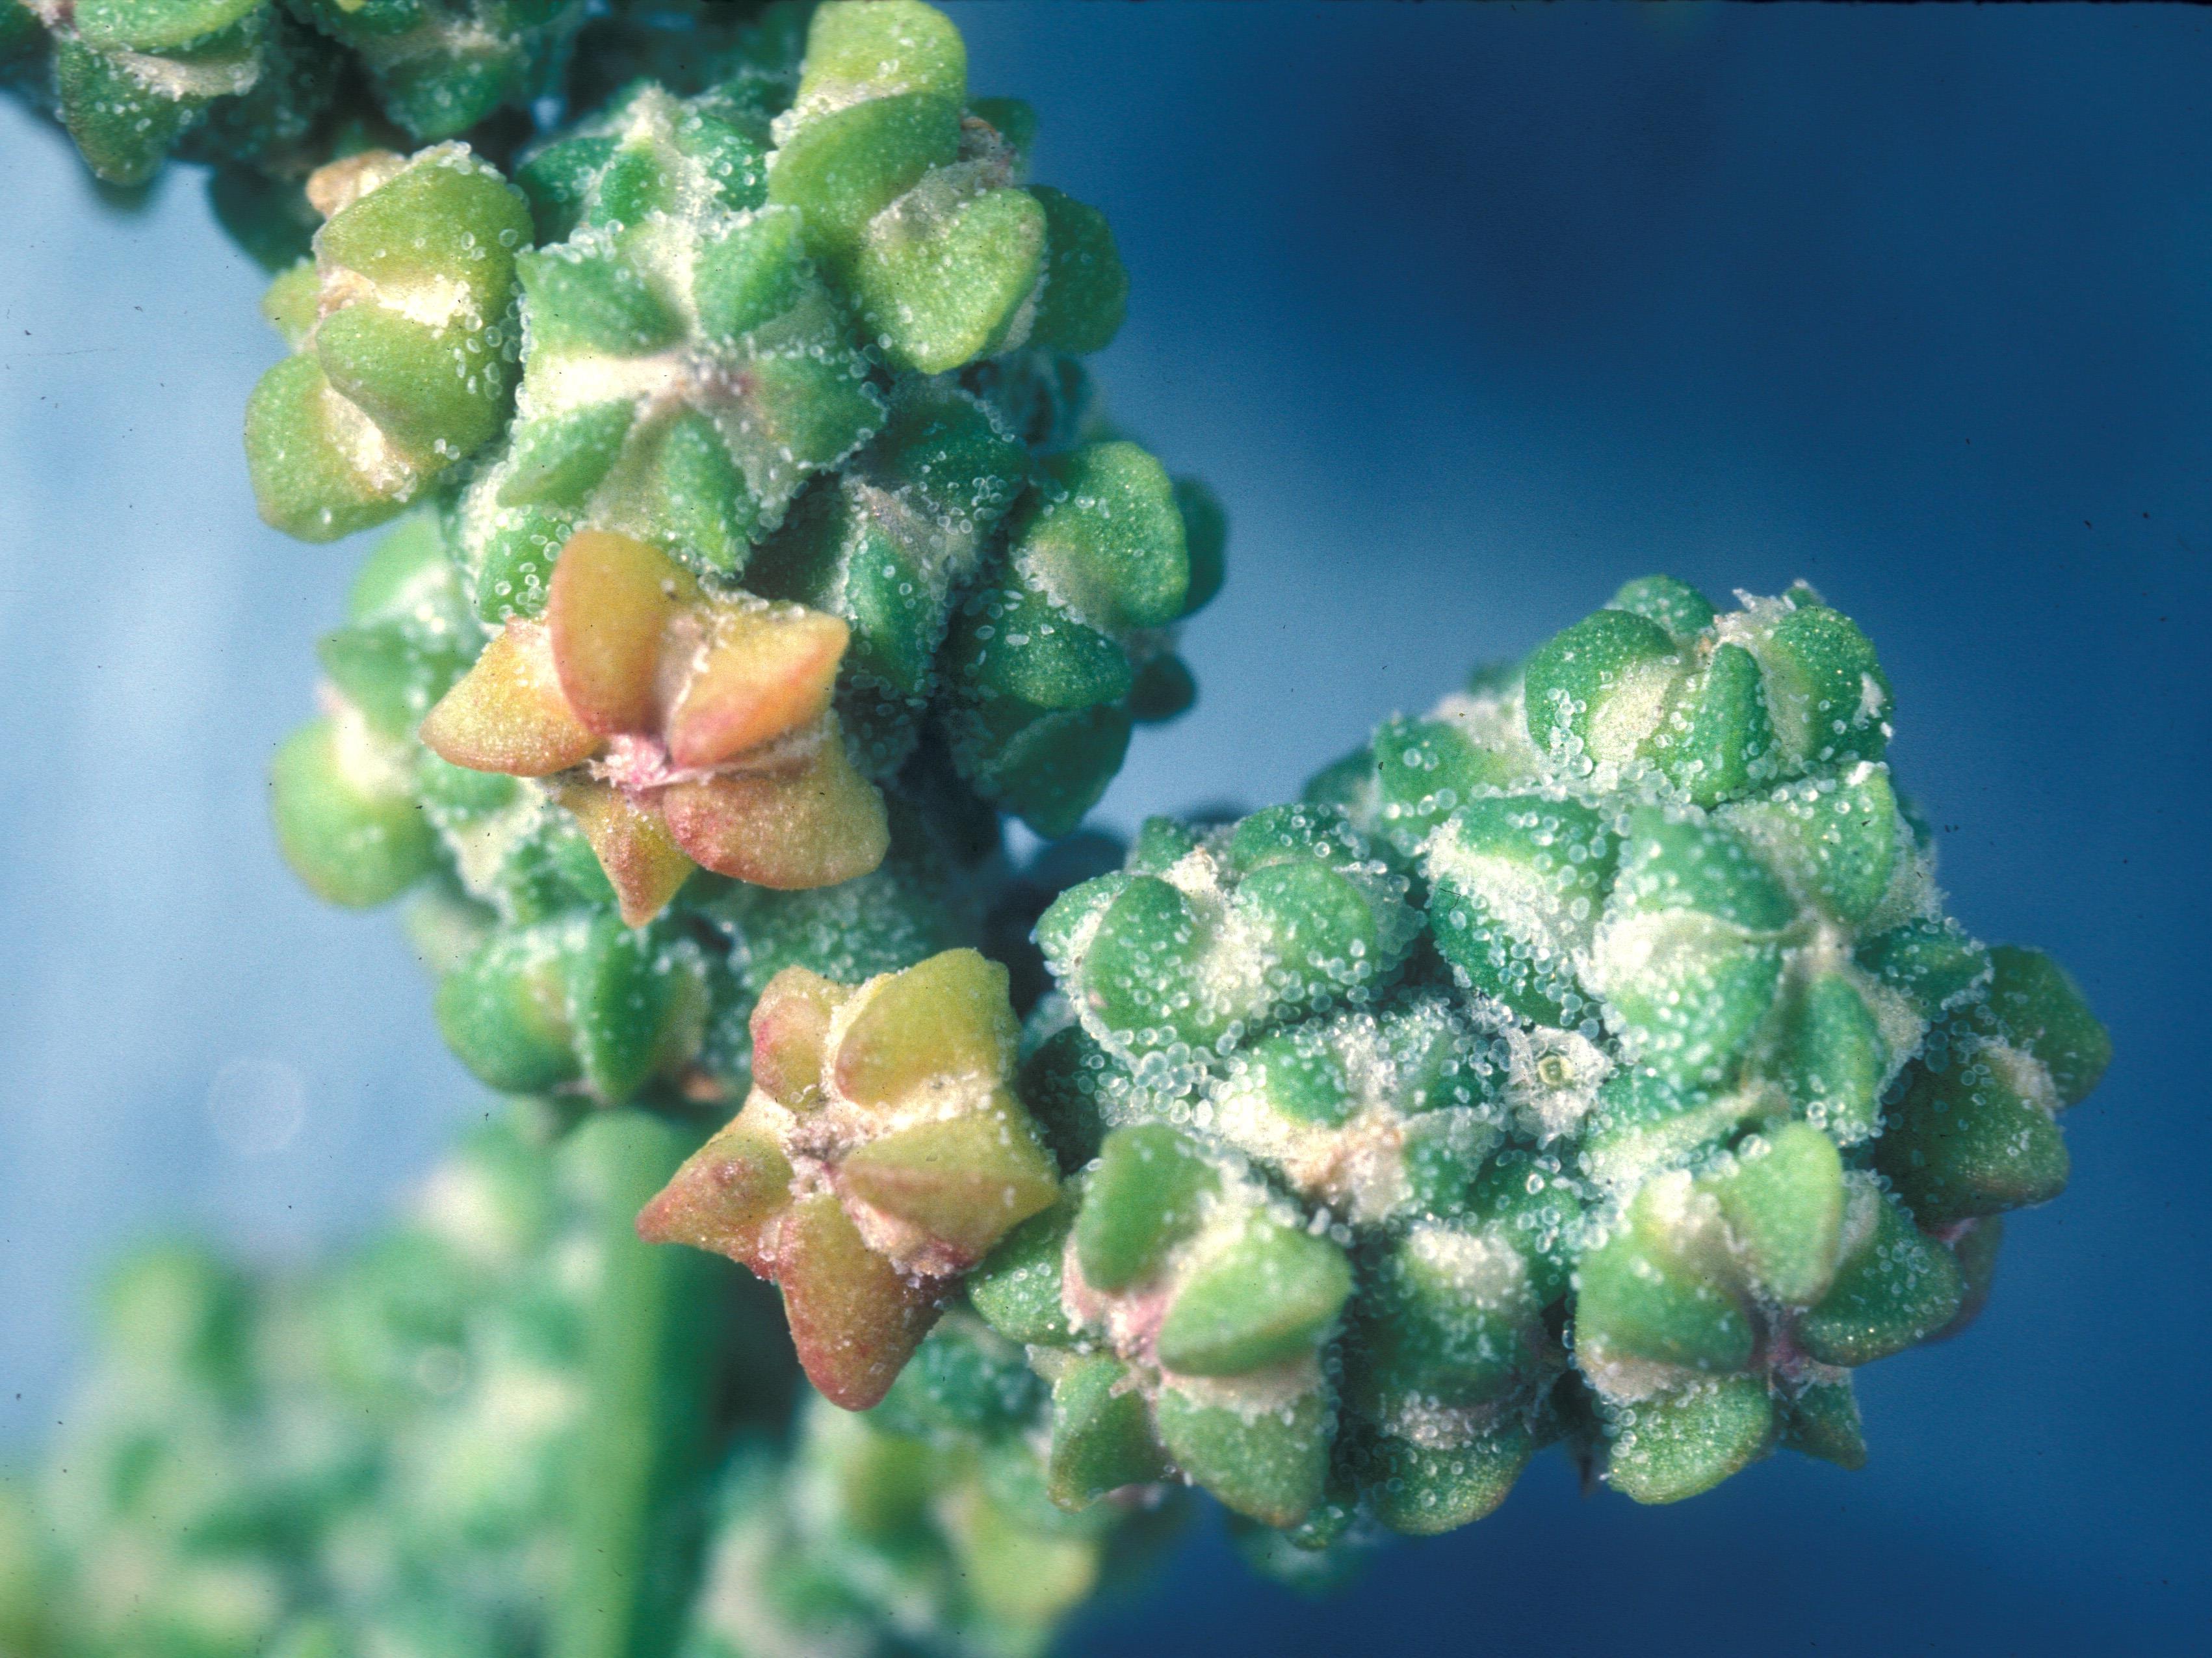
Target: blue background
x,y
1469,314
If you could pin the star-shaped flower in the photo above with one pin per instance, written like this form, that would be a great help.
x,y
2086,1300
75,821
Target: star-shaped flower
x,y
881,1155
682,727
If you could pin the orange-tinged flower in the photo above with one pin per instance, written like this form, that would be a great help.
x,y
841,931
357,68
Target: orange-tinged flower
x,y
681,727
881,1155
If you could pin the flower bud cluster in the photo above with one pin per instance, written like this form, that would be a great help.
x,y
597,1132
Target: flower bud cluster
x,y
266,90
1591,1062
756,560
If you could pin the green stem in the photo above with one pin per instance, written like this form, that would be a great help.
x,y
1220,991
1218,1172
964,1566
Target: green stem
x,y
639,1497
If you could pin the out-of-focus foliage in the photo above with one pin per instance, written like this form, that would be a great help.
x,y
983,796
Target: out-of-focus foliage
x,y
506,1426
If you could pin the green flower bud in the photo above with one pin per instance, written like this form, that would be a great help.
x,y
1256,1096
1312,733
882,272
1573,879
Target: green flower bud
x,y
1677,606
1268,1462
1823,1421
1016,1290
1452,1319
944,272
1783,1206
1659,1289
407,370
1715,740
1144,1196
409,632
439,67
575,1000
1284,911
1420,772
1596,693
916,208
1716,706
887,546
1642,1124
1976,1137
1837,842
1686,955
1194,1314
878,104
1836,1057
1426,1490
1934,963
1827,695
130,76
346,817
1894,1288
1087,291
1679,1444
1268,1297
1098,561
2037,1009
1516,885
686,372
1371,1114
1102,1434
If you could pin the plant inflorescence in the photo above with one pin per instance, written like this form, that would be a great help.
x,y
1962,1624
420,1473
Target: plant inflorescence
x,y
1590,1063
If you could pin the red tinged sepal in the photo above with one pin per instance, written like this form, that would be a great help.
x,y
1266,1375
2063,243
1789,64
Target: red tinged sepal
x,y
814,823
790,1029
608,612
681,727
508,713
882,1154
726,1195
854,1319
758,673
643,861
